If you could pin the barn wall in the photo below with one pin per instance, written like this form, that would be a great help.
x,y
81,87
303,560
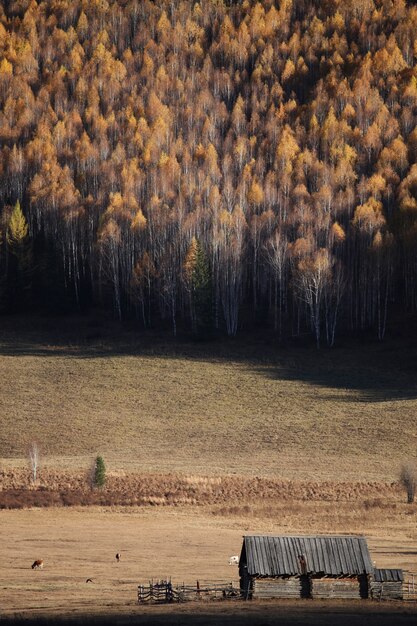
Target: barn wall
x,y
342,588
288,587
353,587
277,588
387,590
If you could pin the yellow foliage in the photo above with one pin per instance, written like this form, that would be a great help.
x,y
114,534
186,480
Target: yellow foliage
x,y
348,111
301,247
377,240
338,22
368,216
314,123
288,71
110,233
82,26
225,219
139,221
163,159
164,24
190,259
6,68
338,233
17,229
255,194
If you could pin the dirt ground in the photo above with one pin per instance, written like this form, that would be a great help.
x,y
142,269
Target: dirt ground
x,y
187,544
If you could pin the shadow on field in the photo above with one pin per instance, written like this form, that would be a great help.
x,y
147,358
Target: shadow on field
x,y
376,375
376,371
370,382
259,616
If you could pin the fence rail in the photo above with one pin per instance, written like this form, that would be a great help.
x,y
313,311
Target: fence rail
x,y
164,591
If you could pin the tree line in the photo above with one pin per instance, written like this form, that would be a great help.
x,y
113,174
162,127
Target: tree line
x,y
211,164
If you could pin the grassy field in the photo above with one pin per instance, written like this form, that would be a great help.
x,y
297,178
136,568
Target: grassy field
x,y
248,408
187,545
214,441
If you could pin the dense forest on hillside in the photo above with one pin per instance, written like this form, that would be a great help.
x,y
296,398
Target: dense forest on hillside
x,y
210,163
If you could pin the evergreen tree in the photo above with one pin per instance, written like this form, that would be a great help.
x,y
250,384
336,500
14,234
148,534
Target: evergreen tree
x,y
198,277
99,472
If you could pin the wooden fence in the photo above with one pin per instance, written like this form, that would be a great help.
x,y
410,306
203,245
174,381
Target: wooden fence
x,y
164,591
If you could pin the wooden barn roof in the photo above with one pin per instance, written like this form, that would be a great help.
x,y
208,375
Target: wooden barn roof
x,y
280,556
388,575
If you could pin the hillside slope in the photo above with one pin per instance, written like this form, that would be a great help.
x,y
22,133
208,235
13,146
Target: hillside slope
x,y
149,404
211,164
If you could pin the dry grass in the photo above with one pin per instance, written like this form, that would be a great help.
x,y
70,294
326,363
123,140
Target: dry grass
x,y
185,543
218,409
69,488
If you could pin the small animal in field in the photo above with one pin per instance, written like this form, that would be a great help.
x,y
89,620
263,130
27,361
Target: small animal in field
x,y
89,580
234,560
118,557
38,564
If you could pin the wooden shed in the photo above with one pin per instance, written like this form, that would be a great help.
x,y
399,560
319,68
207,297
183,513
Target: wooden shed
x,y
387,584
305,567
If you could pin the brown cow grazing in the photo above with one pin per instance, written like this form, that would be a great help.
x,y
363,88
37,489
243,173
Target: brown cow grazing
x,y
38,564
118,556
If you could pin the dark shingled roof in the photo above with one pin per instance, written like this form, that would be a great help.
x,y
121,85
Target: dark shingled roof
x,y
280,556
388,575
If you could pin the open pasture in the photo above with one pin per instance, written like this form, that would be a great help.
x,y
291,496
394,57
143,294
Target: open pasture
x,y
186,543
219,416
222,408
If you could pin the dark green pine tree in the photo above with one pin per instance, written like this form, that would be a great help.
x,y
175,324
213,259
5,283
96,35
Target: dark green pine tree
x,y
99,472
201,291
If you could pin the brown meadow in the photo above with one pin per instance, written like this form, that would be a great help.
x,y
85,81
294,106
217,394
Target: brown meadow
x,y
201,446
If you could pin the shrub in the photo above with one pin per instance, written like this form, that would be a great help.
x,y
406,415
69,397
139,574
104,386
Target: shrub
x,y
408,478
99,472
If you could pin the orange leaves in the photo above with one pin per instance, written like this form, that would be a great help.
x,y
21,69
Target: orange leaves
x,y
288,71
153,122
255,193
338,233
110,233
143,271
190,259
389,59
17,229
301,247
368,217
6,68
318,264
139,221
163,27
124,208
233,225
287,150
211,164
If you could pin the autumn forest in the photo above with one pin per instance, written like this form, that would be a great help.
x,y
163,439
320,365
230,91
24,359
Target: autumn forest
x,y
211,166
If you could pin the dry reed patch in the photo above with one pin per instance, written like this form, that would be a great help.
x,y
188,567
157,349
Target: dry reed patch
x,y
58,487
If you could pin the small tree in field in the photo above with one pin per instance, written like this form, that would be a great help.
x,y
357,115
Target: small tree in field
x,y
34,460
99,472
408,478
